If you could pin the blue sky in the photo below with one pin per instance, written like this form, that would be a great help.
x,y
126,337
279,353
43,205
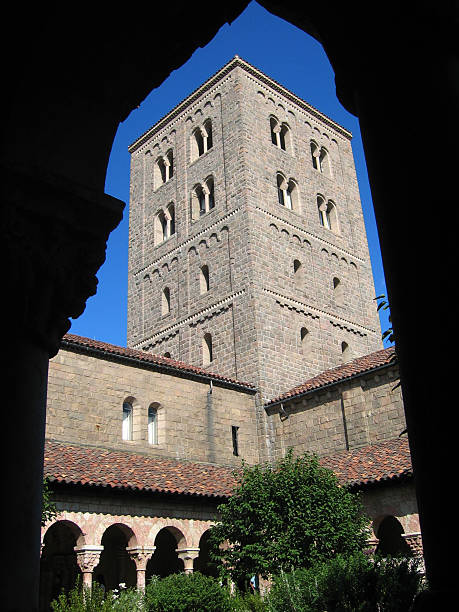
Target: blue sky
x,y
281,51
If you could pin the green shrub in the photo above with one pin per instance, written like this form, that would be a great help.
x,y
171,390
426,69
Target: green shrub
x,y
187,593
248,602
81,599
348,584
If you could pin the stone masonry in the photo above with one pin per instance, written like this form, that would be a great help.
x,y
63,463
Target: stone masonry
x,y
290,290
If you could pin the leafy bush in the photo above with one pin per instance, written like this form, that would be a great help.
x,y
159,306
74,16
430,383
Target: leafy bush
x,y
289,515
187,593
348,584
81,599
248,602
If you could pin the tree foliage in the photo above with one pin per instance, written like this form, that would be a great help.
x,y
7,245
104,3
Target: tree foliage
x,y
48,508
285,516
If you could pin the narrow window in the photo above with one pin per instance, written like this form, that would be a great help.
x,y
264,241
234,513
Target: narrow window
x,y
152,425
324,162
345,352
273,125
204,280
234,434
167,354
324,217
297,271
166,301
171,219
160,227
209,139
170,159
126,428
284,137
207,354
210,187
199,141
315,153
281,189
162,169
305,340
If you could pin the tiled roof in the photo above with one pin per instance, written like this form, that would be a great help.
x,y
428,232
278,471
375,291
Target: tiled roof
x,y
345,371
79,465
166,363
74,464
376,463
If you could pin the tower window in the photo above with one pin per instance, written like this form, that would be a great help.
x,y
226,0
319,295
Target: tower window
x,y
201,140
126,428
287,192
320,159
166,301
234,435
207,353
280,134
204,279
345,352
164,224
202,198
327,214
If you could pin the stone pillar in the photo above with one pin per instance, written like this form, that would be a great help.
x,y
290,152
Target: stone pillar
x,y
53,240
141,555
188,555
88,558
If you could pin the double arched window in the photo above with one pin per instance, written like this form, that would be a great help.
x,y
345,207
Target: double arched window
x,y
201,139
164,224
202,198
320,159
287,192
327,214
280,134
127,427
164,168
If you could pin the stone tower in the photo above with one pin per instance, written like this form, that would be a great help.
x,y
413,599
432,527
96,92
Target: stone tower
x,y
247,250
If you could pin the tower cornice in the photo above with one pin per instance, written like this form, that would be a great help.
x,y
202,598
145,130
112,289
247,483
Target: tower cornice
x,y
236,62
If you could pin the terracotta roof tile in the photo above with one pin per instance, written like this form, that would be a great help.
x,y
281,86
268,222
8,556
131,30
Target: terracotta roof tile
x,y
71,340
376,463
340,373
74,464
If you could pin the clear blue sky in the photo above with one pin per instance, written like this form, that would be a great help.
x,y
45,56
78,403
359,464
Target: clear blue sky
x,y
281,51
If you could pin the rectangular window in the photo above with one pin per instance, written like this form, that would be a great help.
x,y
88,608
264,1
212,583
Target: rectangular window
x,y
234,432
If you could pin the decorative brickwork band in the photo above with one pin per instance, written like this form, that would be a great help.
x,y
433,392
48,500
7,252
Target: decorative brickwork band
x,y
414,541
88,558
141,555
188,555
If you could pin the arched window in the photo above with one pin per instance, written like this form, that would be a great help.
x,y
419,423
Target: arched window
x,y
280,134
297,271
153,424
204,284
208,137
337,290
170,217
305,339
287,192
207,354
201,140
166,301
169,165
391,540
320,159
126,428
167,354
327,214
345,352
202,199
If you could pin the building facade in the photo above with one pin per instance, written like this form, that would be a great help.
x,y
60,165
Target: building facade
x,y
251,329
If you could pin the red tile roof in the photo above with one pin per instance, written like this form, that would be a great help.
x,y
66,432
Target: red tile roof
x,y
80,342
376,463
74,464
79,465
339,374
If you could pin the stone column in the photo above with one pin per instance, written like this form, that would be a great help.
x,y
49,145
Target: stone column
x,y
88,558
188,555
141,555
53,240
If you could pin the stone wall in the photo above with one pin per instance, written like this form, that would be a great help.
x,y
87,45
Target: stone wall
x,y
362,411
85,400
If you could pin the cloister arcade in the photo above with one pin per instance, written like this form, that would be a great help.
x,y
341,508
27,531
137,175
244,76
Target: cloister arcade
x,y
113,550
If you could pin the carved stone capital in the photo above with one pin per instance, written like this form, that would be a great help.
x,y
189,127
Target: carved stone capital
x,y
53,236
88,557
141,555
187,555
